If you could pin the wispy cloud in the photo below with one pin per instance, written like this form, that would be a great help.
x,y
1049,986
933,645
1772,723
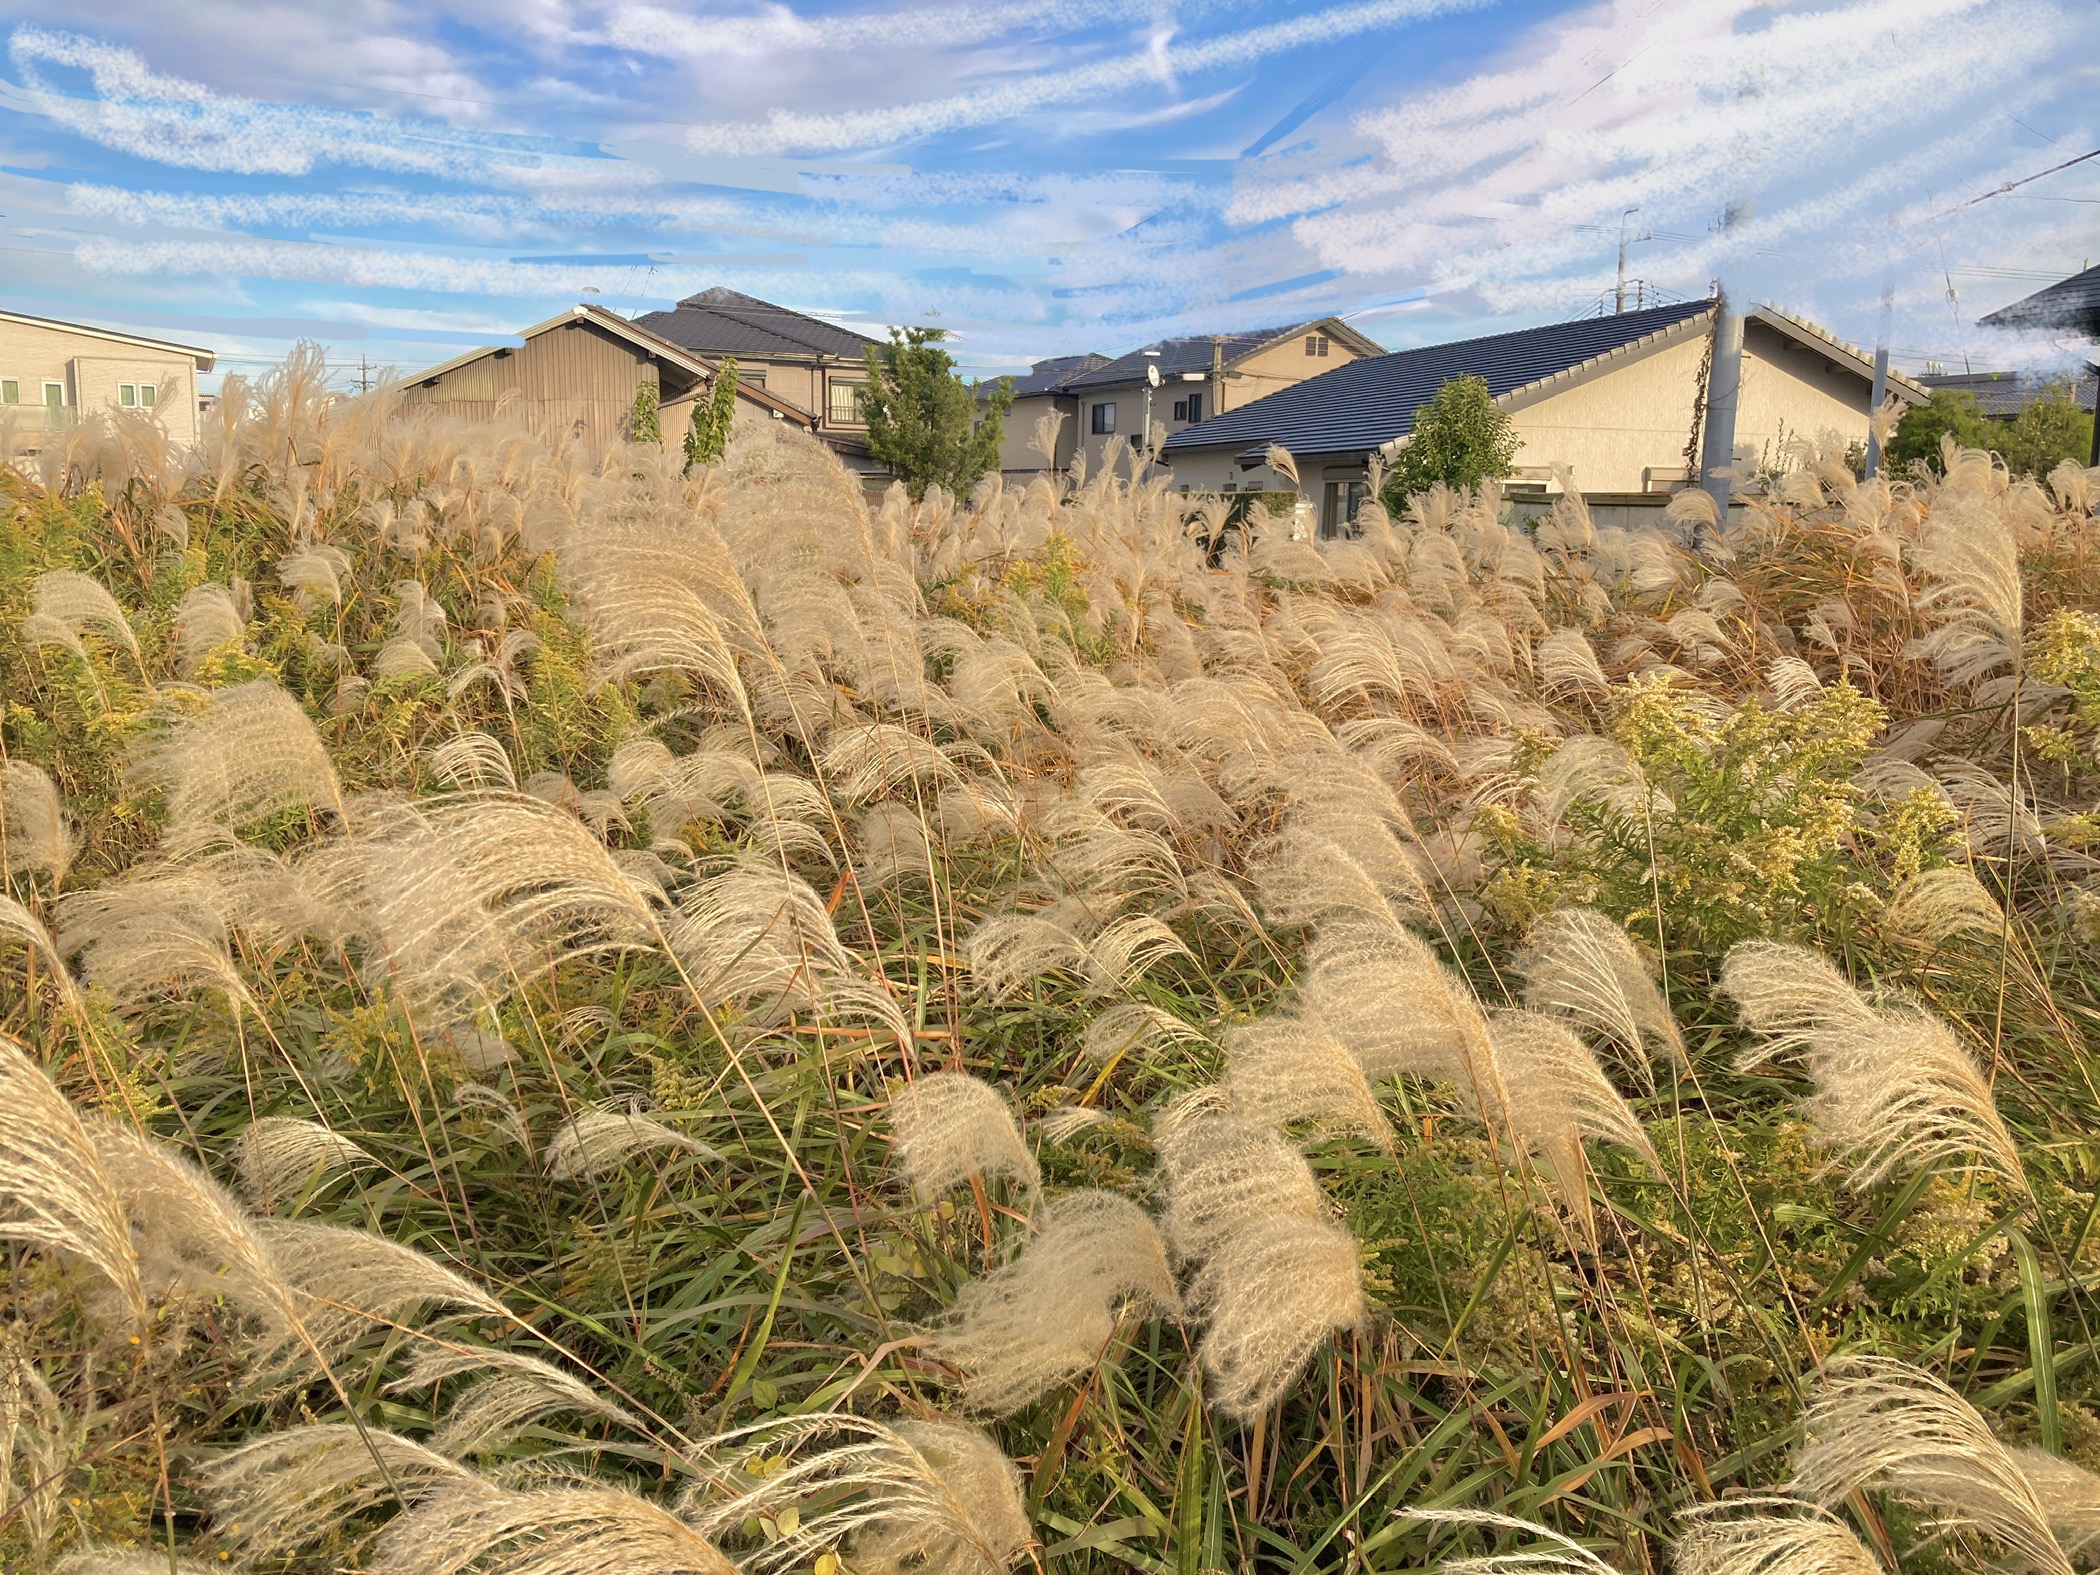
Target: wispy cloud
x,y
805,132
171,121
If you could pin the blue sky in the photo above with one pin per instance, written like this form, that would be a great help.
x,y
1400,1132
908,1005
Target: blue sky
x,y
399,181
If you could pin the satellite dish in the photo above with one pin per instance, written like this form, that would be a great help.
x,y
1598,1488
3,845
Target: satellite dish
x,y
1152,374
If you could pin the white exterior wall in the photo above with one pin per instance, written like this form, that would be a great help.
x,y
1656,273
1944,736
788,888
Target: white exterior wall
x,y
90,369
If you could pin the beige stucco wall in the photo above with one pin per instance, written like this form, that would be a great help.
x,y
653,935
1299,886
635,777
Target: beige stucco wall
x,y
1017,453
1278,367
90,368
1626,430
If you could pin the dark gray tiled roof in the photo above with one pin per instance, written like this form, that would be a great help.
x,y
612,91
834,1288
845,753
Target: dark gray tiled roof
x,y
1049,377
2072,303
1363,404
727,322
2003,395
1176,356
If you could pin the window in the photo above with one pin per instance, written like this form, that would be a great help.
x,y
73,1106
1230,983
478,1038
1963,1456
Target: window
x,y
843,403
1104,418
1315,344
147,394
1338,516
1181,410
10,391
127,394
1195,408
751,376
54,405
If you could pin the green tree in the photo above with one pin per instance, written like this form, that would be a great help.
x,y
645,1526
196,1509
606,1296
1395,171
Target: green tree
x,y
643,425
1950,412
707,435
2046,433
923,420
1461,438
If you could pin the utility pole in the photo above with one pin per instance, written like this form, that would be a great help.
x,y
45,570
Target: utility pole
x,y
1619,294
1881,381
1724,385
364,374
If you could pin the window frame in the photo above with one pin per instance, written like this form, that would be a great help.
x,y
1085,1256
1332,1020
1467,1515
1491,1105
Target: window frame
x,y
854,388
127,396
1195,403
1101,419
149,396
10,390
1316,345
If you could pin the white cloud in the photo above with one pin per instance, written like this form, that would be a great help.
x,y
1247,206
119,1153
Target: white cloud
x,y
172,121
810,132
1834,117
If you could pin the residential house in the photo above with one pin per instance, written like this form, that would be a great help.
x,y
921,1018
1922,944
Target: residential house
x,y
584,368
1037,394
2069,307
53,373
1615,401
816,367
1198,378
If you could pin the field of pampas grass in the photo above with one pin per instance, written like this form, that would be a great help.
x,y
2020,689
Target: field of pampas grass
x,y
560,1016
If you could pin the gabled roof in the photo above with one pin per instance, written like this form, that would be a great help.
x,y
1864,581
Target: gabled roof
x,y
650,344
2072,303
205,359
1049,377
1366,404
727,322
1177,356
2003,395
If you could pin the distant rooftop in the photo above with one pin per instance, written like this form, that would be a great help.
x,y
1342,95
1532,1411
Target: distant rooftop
x,y
2003,395
1048,377
727,322
1193,353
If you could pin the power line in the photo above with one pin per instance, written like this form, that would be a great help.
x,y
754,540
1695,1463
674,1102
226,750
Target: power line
x,y
2015,185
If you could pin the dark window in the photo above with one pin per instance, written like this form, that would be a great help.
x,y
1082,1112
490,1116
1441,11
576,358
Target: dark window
x,y
1181,410
1338,515
1105,418
1195,407
1315,344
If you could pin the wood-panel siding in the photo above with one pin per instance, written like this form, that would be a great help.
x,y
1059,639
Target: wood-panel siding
x,y
578,372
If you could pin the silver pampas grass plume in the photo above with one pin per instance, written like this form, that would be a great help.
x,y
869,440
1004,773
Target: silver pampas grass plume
x,y
282,1492
1769,1536
34,833
931,1497
1225,1173
281,1157
1046,1316
1581,965
54,1192
949,1127
1895,1090
1271,1294
592,1142
1882,1425
2070,1499
249,754
65,602
548,1531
